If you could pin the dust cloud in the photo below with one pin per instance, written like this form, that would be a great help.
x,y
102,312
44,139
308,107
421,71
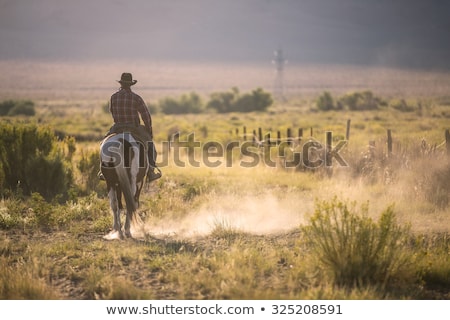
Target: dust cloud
x,y
262,214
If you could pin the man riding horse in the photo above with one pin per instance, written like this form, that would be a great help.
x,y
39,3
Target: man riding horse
x,y
125,107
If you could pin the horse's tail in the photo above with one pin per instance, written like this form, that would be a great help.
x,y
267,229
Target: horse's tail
x,y
125,184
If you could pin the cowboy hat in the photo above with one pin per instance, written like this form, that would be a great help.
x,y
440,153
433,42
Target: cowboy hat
x,y
127,78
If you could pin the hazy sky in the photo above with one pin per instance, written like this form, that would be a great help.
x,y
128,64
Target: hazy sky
x,y
379,32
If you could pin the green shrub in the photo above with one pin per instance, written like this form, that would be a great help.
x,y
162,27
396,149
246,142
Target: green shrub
x,y
6,106
359,101
356,250
49,176
31,162
187,103
433,261
233,101
325,102
13,108
89,166
223,102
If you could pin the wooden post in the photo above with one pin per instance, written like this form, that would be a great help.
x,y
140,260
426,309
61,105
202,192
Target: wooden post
x,y
289,136
311,131
300,135
237,131
245,133
254,136
169,141
447,141
260,137
278,137
268,139
347,132
329,146
389,142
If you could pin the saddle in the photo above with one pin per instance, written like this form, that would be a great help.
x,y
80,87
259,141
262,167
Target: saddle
x,y
138,132
142,136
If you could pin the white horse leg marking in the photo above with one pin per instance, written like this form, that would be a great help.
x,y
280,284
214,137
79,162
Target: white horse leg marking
x,y
116,232
134,170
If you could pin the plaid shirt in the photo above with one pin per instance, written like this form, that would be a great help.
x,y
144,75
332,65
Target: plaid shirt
x,y
125,107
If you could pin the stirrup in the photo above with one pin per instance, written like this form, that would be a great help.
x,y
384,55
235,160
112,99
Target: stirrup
x,y
100,176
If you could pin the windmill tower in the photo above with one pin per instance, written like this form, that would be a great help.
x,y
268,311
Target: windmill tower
x,y
279,62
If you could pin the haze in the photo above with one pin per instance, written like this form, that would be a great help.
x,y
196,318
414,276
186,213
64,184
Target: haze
x,y
378,33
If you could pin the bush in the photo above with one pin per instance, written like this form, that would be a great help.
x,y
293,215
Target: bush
x,y
31,162
356,250
187,103
233,101
325,102
89,166
360,101
223,102
13,108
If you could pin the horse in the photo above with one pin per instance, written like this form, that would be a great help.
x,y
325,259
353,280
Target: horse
x,y
124,165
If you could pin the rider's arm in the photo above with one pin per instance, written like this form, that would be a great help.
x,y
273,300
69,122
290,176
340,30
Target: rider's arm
x,y
145,115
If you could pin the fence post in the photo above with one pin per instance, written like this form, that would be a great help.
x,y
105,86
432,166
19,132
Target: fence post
x,y
311,131
289,136
254,137
260,134
347,132
278,137
389,142
328,148
169,142
245,133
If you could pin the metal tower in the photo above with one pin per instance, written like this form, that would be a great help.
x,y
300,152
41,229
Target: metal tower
x,y
279,62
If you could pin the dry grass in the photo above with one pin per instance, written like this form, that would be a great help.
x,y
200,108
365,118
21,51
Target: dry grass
x,y
228,232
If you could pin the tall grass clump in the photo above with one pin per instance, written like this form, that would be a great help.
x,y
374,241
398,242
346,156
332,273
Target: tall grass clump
x,y
23,282
356,250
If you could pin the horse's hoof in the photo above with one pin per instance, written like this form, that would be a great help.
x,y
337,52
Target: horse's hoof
x,y
113,235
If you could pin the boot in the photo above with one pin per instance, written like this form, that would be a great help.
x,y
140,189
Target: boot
x,y
154,173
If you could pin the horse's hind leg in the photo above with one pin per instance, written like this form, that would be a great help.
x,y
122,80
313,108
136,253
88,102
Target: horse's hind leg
x,y
128,225
114,203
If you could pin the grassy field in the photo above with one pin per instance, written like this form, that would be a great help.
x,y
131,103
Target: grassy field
x,y
233,232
